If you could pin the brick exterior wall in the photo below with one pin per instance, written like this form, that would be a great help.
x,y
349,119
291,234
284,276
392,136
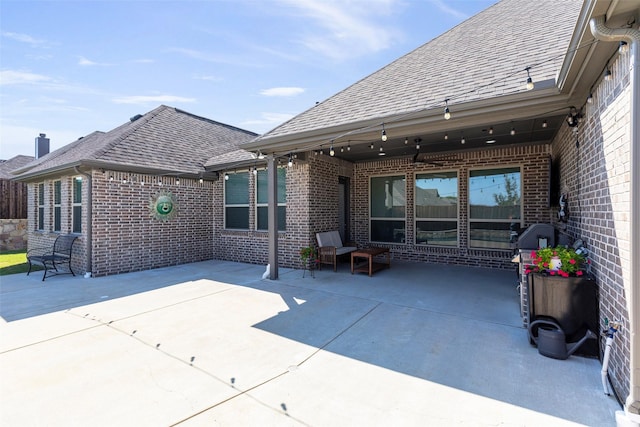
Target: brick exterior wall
x,y
534,162
46,237
127,237
596,177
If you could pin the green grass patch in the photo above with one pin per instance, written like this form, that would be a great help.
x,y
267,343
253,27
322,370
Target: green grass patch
x,y
14,262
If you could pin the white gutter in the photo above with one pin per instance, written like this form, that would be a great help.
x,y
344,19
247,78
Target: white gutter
x,y
632,36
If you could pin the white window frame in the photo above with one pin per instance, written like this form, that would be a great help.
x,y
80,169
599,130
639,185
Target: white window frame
x,y
76,205
471,220
237,205
418,219
266,205
404,218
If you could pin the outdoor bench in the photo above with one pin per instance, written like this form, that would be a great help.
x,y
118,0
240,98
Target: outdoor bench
x,y
53,257
330,247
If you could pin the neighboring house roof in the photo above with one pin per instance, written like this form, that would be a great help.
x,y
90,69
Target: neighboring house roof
x,y
7,166
468,63
164,139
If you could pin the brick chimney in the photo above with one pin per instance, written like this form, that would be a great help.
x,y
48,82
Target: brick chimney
x,y
42,145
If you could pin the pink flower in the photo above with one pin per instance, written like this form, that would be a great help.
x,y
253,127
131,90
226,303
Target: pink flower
x,y
579,273
553,273
533,254
572,261
545,264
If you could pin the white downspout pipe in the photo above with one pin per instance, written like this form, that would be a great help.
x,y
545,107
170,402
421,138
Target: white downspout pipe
x,y
632,36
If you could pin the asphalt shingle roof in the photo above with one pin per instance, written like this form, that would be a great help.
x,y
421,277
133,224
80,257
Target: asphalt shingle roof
x,y
165,139
7,166
483,57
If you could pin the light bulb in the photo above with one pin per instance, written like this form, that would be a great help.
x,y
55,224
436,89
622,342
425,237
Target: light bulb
x,y
447,113
463,141
607,74
226,177
590,98
530,84
544,124
624,47
331,151
491,131
513,131
384,135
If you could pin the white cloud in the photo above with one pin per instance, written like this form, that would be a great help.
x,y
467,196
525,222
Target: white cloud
x,y
24,38
208,78
215,58
271,119
282,91
161,99
448,10
10,77
143,61
347,28
87,62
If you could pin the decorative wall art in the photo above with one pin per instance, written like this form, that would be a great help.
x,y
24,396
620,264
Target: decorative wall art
x,y
163,205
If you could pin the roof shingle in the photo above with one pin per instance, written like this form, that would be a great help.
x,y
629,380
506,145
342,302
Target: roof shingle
x,y
165,139
483,57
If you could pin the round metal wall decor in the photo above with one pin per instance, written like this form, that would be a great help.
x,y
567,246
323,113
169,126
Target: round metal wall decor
x,y
163,205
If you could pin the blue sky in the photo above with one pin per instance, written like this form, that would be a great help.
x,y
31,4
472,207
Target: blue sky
x,y
68,68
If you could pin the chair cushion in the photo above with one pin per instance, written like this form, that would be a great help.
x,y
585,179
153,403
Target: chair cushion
x,y
329,238
345,250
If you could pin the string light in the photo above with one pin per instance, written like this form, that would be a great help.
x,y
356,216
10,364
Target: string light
x,y
447,113
446,136
476,89
624,47
607,74
544,124
462,140
331,151
513,131
590,98
406,141
290,163
491,130
417,141
530,84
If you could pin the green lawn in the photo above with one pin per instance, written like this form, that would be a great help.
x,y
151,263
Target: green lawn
x,y
13,262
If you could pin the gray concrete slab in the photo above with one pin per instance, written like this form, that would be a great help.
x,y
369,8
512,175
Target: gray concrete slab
x,y
212,343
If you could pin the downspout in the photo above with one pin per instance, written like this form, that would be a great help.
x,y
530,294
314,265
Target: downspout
x,y
632,36
89,233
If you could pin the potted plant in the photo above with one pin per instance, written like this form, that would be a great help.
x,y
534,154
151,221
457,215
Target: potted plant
x,y
561,260
308,258
559,288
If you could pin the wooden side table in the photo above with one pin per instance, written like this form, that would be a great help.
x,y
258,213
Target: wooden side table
x,y
369,265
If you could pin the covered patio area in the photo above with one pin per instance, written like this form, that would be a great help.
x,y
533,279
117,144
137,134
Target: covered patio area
x,y
212,343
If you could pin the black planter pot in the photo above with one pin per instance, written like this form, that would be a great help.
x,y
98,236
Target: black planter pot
x,y
572,302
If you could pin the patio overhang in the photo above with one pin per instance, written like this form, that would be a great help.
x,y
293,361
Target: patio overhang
x,y
531,117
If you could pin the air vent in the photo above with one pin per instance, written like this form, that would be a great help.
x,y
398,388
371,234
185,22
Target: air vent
x,y
136,117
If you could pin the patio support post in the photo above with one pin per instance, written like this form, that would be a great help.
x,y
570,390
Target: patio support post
x,y
272,189
601,32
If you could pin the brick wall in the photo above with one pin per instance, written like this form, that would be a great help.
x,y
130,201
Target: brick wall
x,y
127,237
46,237
252,246
534,161
595,175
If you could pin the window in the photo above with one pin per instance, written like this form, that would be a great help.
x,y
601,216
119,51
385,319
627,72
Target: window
x,y
262,199
57,205
436,208
40,225
77,204
387,209
236,201
494,206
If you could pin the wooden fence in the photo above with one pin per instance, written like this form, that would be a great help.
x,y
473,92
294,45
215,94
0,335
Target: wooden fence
x,y
13,203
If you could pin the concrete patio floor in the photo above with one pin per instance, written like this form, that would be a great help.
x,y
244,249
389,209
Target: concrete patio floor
x,y
212,343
